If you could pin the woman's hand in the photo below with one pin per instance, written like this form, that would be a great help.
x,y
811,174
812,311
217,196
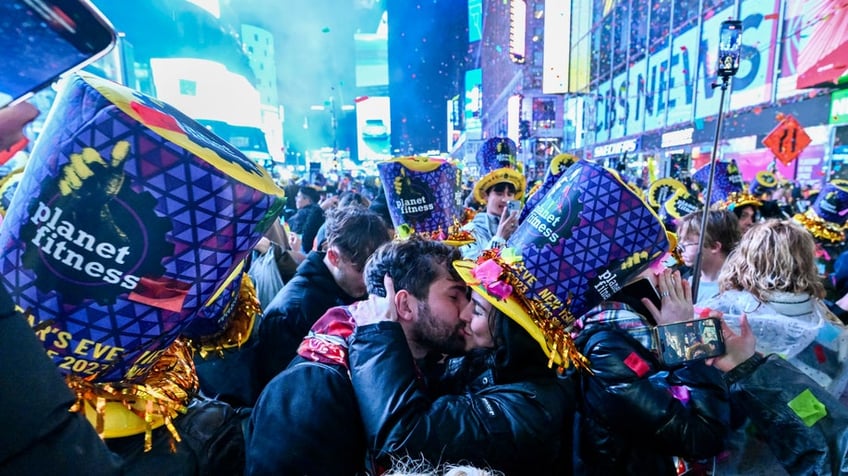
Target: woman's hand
x,y
508,224
738,347
676,298
376,308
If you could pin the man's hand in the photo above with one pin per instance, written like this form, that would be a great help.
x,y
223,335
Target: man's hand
x,y
329,202
376,308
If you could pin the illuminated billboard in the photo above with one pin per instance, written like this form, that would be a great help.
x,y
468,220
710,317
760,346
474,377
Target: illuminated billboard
x,y
475,20
372,54
373,128
473,103
557,48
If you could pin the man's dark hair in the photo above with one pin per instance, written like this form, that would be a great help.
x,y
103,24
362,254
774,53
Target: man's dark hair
x,y
502,187
310,193
356,232
722,227
737,210
353,198
380,207
413,264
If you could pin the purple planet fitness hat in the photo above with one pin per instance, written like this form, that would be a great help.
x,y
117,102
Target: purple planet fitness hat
x,y
728,187
498,163
128,230
586,238
422,193
826,217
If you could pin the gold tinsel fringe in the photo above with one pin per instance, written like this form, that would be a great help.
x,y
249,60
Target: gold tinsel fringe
x,y
738,199
242,314
455,236
556,329
819,228
164,391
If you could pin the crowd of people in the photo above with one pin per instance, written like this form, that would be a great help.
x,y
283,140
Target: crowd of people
x,y
511,340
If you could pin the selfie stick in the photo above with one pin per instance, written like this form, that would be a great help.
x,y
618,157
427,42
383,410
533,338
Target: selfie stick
x,y
696,271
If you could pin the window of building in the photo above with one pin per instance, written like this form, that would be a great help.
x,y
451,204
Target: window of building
x,y
638,30
620,37
660,23
685,15
544,113
605,50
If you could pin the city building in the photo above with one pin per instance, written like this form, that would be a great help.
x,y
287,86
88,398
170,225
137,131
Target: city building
x,y
630,83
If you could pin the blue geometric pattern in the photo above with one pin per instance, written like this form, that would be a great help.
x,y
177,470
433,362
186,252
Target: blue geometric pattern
x,y
831,204
214,224
438,187
727,180
495,153
611,227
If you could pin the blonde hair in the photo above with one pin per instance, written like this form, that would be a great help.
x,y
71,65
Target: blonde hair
x,y
409,466
773,255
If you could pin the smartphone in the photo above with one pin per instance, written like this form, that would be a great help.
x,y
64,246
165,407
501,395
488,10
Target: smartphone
x,y
729,48
513,206
689,341
633,293
43,39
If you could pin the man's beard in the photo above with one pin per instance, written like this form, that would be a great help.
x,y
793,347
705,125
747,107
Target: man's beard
x,y
436,336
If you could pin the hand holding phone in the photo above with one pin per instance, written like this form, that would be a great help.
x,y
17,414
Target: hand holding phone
x,y
740,347
689,341
509,221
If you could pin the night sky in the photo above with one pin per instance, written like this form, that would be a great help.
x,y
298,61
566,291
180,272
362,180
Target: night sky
x,y
315,56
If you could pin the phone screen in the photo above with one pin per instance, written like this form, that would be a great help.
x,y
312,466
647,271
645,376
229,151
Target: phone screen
x,y
729,47
513,206
688,341
41,40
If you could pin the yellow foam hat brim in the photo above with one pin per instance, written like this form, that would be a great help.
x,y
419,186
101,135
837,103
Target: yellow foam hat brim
x,y
457,243
119,421
509,306
746,199
497,176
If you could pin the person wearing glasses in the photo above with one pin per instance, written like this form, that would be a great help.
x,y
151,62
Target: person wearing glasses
x,y
721,236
